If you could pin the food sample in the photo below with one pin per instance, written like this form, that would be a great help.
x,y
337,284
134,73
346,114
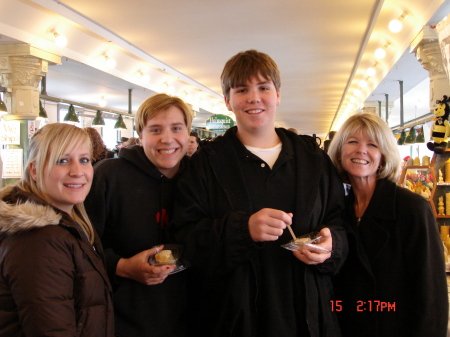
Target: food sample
x,y
164,256
302,240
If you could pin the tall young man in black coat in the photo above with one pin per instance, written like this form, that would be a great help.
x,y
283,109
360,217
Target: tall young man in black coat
x,y
234,202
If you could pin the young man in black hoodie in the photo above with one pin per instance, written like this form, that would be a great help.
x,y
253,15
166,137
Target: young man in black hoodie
x,y
130,205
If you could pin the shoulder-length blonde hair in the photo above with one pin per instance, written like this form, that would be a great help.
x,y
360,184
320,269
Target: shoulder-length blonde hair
x,y
48,145
378,130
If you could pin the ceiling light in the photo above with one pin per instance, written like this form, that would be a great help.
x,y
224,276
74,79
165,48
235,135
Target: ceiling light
x,y
371,71
102,102
144,78
98,121
380,53
188,97
363,83
120,124
71,116
110,62
396,25
60,40
168,89
357,92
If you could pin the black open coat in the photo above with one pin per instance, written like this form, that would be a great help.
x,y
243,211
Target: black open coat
x,y
396,260
211,218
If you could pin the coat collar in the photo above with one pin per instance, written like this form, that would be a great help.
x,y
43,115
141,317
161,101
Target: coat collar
x,y
21,211
373,234
228,149
383,198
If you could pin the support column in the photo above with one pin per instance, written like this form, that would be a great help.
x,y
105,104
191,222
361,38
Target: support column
x,y
428,53
21,69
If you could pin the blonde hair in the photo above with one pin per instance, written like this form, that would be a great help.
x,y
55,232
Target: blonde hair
x,y
47,147
378,130
157,103
246,65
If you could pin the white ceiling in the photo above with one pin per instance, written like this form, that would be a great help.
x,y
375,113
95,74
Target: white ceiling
x,y
322,47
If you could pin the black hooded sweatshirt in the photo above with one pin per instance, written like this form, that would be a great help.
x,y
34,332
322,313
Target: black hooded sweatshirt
x,y
130,205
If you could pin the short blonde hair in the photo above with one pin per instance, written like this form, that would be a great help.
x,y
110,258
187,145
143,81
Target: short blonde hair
x,y
157,103
378,130
246,65
48,145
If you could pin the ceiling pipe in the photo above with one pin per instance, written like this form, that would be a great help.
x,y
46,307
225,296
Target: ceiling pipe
x,y
402,121
387,106
82,105
44,85
129,101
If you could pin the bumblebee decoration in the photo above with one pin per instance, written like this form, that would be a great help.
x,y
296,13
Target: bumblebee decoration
x,y
440,129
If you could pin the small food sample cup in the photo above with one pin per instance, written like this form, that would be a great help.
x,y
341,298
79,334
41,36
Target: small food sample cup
x,y
308,241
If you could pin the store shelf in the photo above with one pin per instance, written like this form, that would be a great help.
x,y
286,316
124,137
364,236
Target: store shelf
x,y
438,164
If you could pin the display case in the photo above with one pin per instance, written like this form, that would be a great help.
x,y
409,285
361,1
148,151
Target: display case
x,y
440,196
419,179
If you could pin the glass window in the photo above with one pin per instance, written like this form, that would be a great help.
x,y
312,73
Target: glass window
x,y
110,136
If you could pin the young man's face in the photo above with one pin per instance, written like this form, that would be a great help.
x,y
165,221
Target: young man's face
x,y
164,139
254,103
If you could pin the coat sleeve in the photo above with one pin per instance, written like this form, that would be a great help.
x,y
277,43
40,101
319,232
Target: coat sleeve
x,y
39,270
424,258
96,204
331,207
216,240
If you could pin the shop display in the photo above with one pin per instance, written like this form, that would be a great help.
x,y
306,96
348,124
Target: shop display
x,y
418,178
440,195
440,129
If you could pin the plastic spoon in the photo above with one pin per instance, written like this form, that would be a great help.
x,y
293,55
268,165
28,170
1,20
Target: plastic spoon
x,y
292,232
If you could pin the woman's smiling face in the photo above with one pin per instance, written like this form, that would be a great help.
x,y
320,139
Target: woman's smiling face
x,y
69,180
360,156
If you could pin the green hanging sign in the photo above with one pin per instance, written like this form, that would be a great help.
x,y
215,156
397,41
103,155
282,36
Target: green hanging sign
x,y
219,123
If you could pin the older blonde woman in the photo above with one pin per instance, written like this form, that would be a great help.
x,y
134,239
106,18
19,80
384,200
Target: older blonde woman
x,y
393,282
52,276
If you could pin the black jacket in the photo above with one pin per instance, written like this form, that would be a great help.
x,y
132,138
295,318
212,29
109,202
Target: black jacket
x,y
130,204
396,261
212,211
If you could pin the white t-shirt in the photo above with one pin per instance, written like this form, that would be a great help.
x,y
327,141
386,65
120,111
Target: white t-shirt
x,y
269,155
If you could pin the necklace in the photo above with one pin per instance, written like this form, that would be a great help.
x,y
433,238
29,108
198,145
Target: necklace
x,y
358,220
